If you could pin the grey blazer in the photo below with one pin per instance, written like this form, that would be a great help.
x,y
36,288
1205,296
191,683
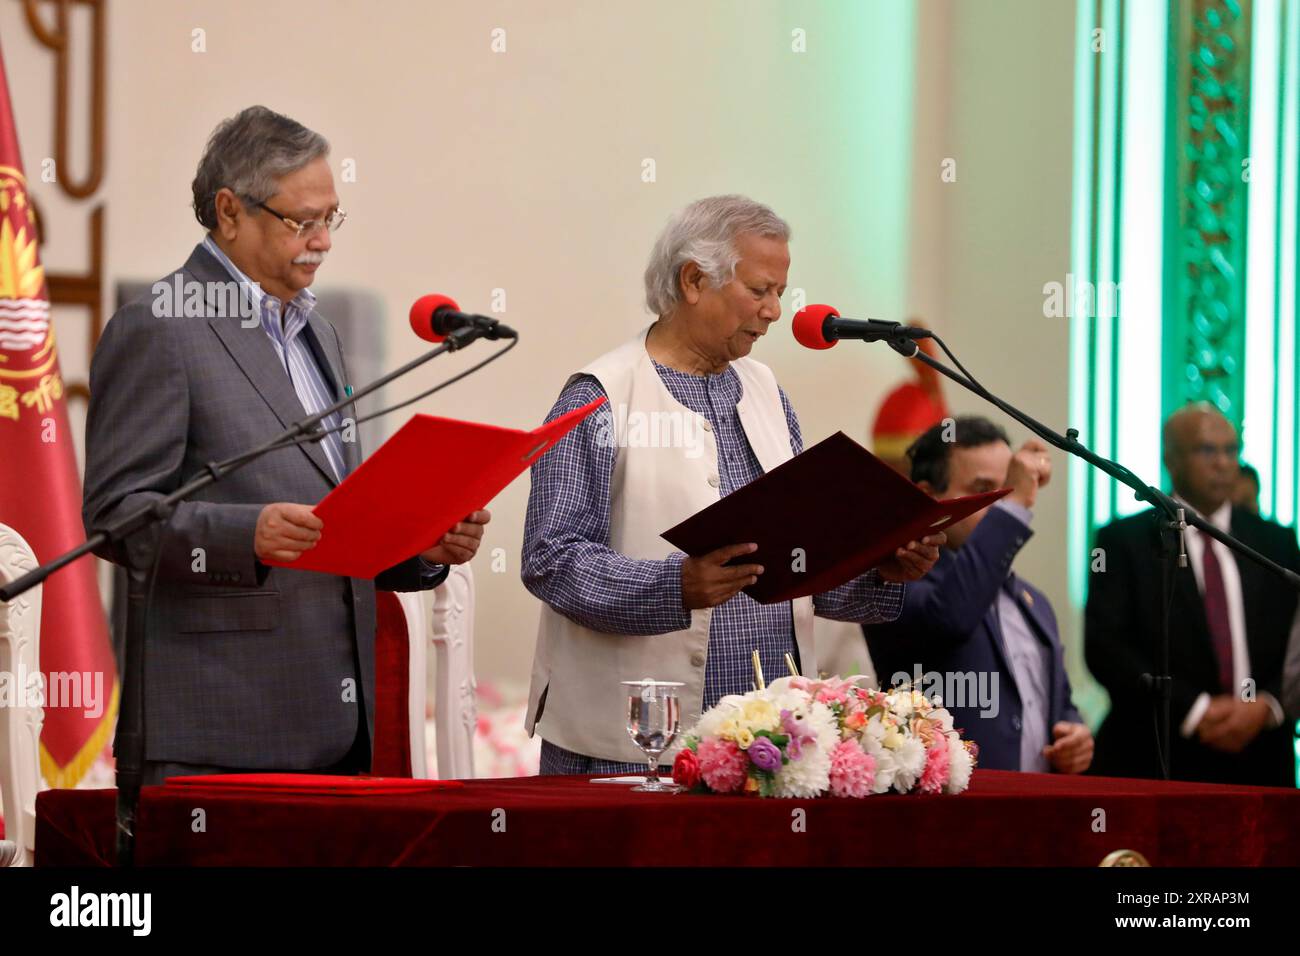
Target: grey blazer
x,y
245,666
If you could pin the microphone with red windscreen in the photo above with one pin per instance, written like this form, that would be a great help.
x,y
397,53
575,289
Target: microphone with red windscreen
x,y
434,317
809,326
820,327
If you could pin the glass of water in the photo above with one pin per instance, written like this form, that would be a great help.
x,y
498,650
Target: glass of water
x,y
653,715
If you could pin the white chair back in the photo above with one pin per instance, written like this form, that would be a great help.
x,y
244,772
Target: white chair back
x,y
455,710
21,716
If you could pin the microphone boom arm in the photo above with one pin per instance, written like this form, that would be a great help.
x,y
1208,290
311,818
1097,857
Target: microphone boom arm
x,y
1069,442
1171,525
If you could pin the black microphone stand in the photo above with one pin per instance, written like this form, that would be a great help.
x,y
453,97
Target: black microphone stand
x,y
1172,520
129,740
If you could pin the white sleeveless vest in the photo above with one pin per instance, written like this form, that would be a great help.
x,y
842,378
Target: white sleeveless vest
x,y
575,699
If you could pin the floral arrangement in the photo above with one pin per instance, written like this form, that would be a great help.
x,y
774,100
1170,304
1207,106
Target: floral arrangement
x,y
799,737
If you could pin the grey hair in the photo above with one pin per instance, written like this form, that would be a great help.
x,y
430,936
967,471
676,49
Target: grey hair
x,y
248,154
705,232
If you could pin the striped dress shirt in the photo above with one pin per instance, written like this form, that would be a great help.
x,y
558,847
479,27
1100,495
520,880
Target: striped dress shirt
x,y
284,325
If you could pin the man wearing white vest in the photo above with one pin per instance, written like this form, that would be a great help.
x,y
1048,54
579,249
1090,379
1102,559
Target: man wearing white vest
x,y
690,418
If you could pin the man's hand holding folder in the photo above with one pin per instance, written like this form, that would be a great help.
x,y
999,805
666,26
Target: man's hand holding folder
x,y
813,523
285,530
709,580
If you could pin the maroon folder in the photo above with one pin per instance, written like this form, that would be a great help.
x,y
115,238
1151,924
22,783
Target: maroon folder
x,y
821,519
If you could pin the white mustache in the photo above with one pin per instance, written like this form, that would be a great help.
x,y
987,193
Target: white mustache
x,y
309,259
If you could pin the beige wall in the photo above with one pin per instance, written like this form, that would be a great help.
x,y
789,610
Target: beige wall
x,y
1006,234
523,170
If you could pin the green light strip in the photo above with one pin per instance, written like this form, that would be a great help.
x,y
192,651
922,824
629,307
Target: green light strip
x,y
1141,246
1103,383
1085,65
1261,252
1286,440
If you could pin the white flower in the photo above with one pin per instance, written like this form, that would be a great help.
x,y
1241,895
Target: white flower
x,y
960,766
910,756
822,720
874,730
795,701
778,687
711,721
943,718
810,775
900,703
886,765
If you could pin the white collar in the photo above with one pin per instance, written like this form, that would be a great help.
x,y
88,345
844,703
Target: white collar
x,y
1221,519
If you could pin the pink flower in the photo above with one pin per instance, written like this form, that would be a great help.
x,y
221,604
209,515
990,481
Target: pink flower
x,y
853,771
935,775
723,765
833,691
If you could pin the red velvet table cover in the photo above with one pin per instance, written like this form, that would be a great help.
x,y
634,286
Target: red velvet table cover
x,y
1004,819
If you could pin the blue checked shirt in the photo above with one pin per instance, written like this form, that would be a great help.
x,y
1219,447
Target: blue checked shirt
x,y
568,563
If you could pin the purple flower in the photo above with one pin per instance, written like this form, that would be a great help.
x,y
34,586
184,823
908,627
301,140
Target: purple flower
x,y
764,754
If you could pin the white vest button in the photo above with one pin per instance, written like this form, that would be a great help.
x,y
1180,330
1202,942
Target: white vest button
x,y
713,481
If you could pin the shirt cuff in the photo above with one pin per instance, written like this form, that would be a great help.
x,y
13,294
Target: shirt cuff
x,y
1016,510
429,569
671,588
1279,715
1194,715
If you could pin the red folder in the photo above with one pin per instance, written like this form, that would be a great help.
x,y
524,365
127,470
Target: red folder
x,y
419,484
841,506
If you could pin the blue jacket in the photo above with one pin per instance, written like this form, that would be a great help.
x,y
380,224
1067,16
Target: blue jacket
x,y
949,625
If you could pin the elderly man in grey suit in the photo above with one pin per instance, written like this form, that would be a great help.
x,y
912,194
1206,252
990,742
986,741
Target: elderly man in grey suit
x,y
247,666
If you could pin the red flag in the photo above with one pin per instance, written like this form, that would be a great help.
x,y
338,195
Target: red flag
x,y
40,491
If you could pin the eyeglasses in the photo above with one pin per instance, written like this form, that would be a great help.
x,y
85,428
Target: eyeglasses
x,y
332,221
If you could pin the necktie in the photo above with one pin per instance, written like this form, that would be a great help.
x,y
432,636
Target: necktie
x,y
1216,615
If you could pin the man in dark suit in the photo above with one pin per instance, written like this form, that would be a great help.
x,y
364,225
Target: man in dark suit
x,y
1228,626
972,630
247,666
